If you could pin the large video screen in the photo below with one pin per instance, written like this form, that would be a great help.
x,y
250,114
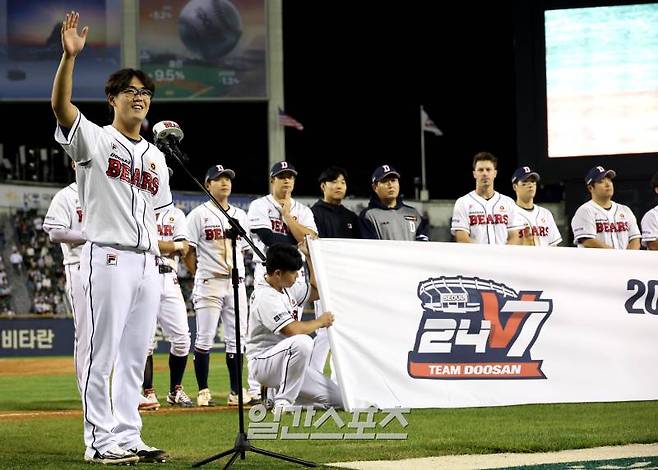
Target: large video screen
x,y
30,47
204,49
602,80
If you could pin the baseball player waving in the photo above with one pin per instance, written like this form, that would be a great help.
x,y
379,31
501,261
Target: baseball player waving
x,y
122,179
210,259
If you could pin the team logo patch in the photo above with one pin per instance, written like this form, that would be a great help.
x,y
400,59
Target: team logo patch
x,y
473,328
410,217
111,259
152,165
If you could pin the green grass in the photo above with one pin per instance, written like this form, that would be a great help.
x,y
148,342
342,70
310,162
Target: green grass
x,y
190,436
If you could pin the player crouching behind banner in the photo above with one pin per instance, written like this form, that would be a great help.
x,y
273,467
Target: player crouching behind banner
x,y
278,343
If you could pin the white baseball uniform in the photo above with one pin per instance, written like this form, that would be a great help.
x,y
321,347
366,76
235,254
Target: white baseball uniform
x,y
65,213
487,221
280,361
539,224
213,290
650,226
615,226
120,184
172,316
266,213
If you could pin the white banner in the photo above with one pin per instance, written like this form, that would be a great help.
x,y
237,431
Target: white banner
x,y
425,325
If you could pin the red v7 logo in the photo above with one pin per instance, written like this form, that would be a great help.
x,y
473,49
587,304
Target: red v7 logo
x,y
500,336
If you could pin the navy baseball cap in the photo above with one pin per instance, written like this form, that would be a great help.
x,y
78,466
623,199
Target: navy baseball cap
x,y
523,173
383,171
216,171
280,167
597,174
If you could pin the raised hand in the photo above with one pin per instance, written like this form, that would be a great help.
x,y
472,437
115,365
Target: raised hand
x,y
72,42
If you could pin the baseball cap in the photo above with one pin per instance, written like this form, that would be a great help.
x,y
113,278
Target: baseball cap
x,y
216,171
597,174
280,167
383,171
523,173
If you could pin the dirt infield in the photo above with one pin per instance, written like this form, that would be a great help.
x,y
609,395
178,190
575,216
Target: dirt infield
x,y
36,366
46,366
165,409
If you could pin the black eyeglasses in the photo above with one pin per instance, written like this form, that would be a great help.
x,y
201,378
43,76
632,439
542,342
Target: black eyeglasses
x,y
131,90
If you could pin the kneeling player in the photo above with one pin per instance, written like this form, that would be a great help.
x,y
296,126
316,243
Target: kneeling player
x,y
278,344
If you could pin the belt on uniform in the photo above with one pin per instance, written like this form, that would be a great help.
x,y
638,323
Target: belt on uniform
x,y
165,268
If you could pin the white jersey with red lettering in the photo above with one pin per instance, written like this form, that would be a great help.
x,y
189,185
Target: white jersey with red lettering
x,y
206,226
213,289
650,226
172,227
487,221
265,212
615,226
540,225
123,183
172,315
65,212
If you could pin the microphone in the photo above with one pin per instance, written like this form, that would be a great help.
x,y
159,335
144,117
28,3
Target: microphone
x,y
167,135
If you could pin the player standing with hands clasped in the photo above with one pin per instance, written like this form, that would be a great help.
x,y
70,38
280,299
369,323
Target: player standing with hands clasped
x,y
122,180
484,215
210,259
601,222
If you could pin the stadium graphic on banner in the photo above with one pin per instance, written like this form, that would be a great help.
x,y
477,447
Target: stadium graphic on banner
x,y
473,328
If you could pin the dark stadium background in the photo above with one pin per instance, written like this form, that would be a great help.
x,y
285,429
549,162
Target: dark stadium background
x,y
355,75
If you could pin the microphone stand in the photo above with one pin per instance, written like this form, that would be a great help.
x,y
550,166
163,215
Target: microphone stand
x,y
241,444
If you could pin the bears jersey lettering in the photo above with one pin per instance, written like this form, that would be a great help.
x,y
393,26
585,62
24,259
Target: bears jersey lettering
x,y
486,221
615,226
119,194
